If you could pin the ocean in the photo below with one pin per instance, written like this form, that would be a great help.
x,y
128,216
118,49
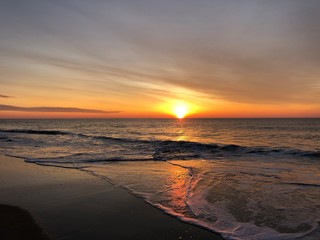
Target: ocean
x,y
243,178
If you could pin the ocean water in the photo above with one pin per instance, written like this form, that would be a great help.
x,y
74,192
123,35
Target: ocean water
x,y
243,178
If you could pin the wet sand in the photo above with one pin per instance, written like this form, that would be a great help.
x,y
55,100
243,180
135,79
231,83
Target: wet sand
x,y
17,223
70,204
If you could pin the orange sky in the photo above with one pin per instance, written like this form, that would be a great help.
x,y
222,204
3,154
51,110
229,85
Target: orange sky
x,y
124,59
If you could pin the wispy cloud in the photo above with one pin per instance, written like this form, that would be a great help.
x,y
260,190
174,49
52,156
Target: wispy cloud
x,y
252,52
5,96
53,109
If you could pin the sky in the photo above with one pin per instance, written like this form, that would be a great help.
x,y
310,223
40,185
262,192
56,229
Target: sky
x,y
141,58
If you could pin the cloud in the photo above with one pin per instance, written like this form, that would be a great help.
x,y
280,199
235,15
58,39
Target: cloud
x,y
249,51
53,109
5,96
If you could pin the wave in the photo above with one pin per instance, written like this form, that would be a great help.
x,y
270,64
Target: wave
x,y
57,132
81,158
30,131
170,149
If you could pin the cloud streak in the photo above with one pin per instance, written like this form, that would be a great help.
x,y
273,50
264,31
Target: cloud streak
x,y
53,109
5,96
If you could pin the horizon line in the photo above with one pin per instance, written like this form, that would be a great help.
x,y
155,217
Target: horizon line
x,y
88,118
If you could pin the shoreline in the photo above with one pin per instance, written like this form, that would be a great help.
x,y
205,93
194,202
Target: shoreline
x,y
70,204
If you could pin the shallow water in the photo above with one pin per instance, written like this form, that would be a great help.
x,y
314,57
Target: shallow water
x,y
243,178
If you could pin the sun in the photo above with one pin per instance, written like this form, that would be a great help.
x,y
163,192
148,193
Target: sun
x,y
180,110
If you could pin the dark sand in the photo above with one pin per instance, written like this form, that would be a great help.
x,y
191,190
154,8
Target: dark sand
x,y
69,204
16,223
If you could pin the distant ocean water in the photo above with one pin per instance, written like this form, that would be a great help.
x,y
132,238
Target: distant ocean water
x,y
243,178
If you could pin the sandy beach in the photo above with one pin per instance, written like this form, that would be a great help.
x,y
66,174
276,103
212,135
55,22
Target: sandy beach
x,y
70,204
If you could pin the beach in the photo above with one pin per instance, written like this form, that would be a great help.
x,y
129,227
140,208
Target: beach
x,y
164,179
70,204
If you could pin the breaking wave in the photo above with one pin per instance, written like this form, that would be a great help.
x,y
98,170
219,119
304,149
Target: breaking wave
x,y
169,149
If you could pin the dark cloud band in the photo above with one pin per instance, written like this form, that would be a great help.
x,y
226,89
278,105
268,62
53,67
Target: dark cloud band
x,y
5,96
53,109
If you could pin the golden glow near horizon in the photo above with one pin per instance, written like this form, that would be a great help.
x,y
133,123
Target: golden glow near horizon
x,y
180,111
